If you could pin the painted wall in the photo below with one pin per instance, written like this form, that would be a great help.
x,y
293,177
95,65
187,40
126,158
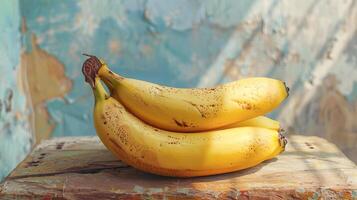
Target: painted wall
x,y
311,44
15,137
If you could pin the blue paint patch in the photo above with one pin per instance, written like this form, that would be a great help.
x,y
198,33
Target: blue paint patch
x,y
354,194
178,15
43,15
227,13
353,95
15,137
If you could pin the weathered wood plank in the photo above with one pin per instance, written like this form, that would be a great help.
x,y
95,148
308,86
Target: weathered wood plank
x,y
81,168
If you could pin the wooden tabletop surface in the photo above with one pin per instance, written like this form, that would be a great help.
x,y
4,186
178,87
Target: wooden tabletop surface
x,y
81,168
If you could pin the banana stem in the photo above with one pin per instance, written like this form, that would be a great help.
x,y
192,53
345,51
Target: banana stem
x,y
110,78
99,91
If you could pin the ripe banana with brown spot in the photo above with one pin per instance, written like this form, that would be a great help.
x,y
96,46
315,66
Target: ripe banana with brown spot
x,y
193,109
179,154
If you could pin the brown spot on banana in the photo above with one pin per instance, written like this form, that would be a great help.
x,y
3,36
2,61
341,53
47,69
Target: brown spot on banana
x,y
147,154
203,115
244,105
102,117
174,142
123,134
178,123
181,124
140,99
158,88
184,124
172,137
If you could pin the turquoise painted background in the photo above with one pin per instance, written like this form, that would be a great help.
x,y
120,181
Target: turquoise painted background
x,y
310,44
15,137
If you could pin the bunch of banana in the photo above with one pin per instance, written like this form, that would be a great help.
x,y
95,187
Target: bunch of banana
x,y
186,132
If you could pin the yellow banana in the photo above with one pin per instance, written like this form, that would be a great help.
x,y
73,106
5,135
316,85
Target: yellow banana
x,y
179,154
260,121
194,109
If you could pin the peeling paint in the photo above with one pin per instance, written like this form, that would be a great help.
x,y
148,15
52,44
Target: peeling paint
x,y
44,77
15,135
354,194
181,16
8,100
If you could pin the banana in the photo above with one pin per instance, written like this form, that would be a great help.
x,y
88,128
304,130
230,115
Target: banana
x,y
260,121
176,154
192,109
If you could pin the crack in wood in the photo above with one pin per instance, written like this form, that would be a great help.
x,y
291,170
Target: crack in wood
x,y
79,171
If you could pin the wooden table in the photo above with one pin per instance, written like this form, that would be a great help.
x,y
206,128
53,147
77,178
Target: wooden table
x,y
81,168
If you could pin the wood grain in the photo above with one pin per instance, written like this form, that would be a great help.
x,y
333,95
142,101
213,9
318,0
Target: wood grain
x,y
81,168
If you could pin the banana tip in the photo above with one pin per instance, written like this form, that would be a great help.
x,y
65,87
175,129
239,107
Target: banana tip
x,y
286,88
282,139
